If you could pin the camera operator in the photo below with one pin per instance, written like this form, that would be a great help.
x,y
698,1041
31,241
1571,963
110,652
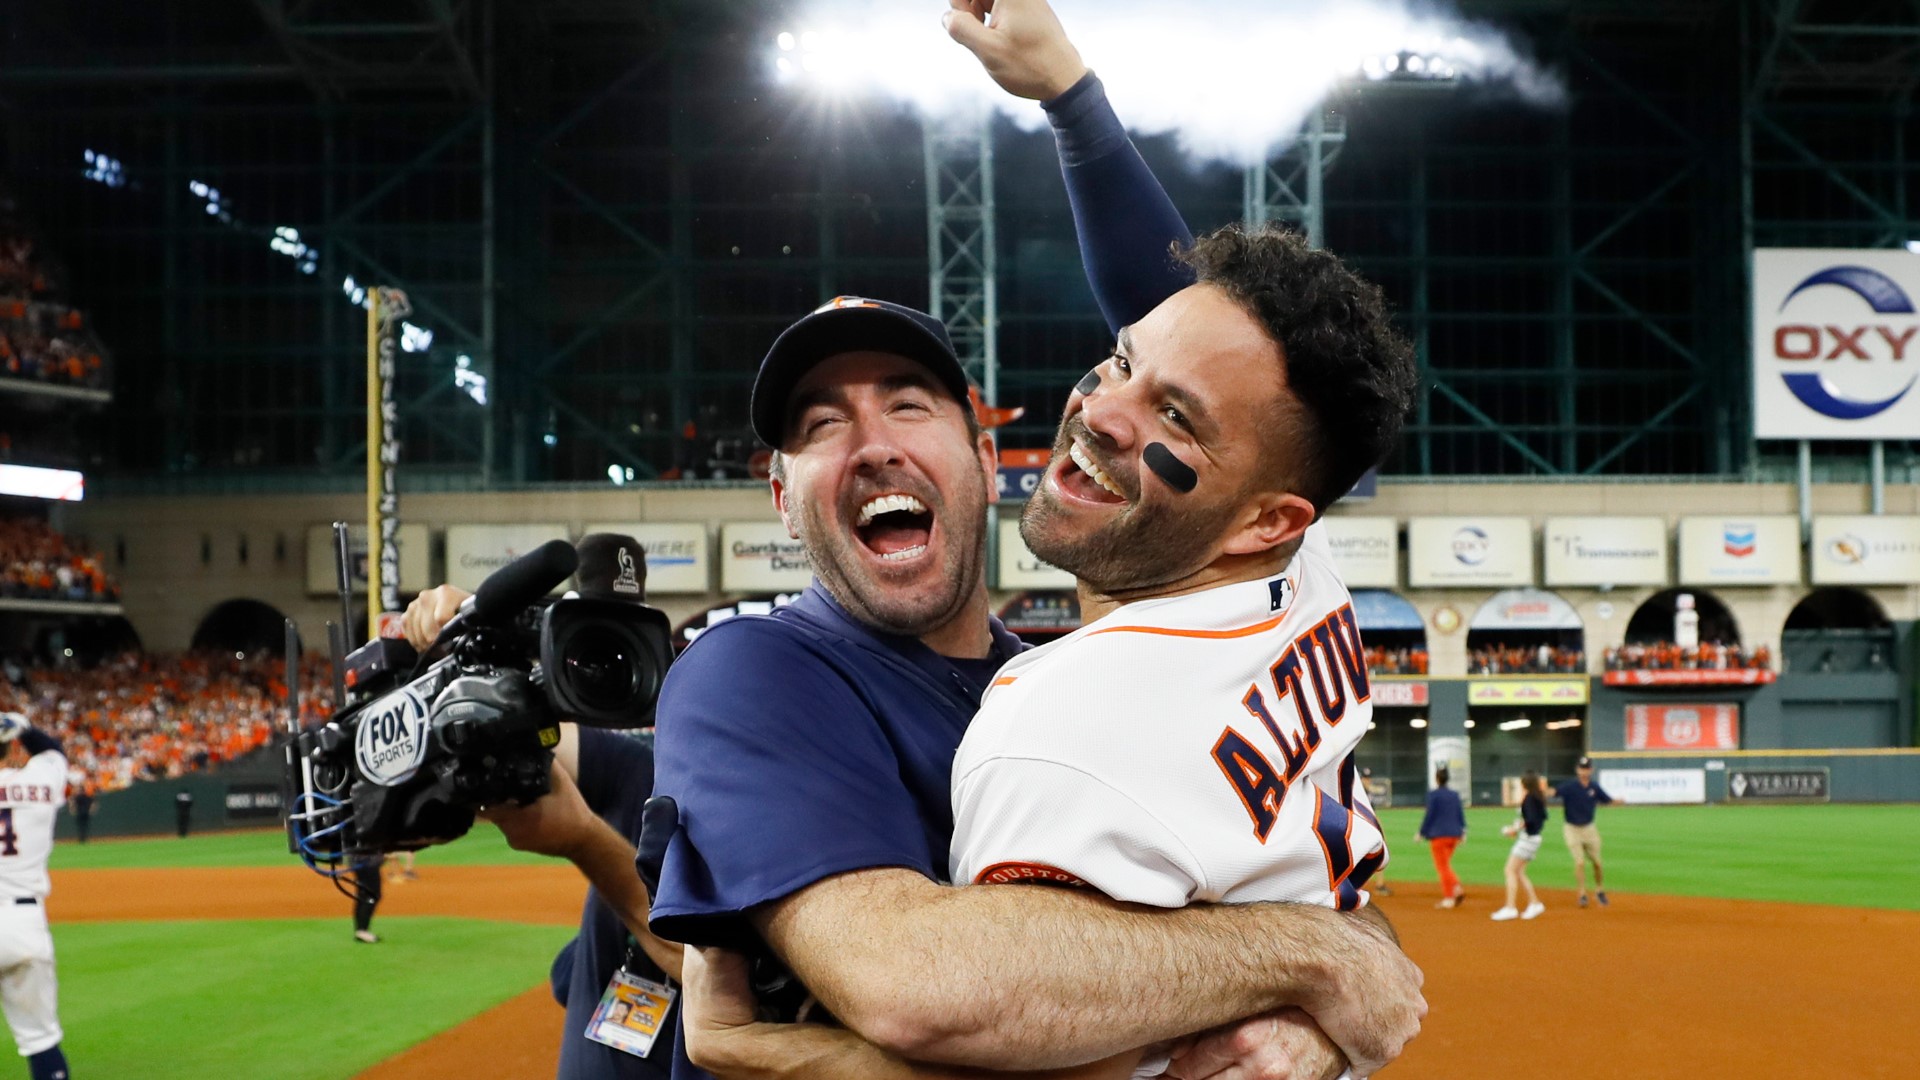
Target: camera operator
x,y
591,817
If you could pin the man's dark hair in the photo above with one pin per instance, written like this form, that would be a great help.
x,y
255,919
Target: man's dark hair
x,y
1344,361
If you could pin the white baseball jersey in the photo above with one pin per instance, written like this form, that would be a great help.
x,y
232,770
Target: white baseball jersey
x,y
30,799
1191,748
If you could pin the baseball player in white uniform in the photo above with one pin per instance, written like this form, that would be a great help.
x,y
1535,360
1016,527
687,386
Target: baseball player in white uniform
x,y
32,789
1195,748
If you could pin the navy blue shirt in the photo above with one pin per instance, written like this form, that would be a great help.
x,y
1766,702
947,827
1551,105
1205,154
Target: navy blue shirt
x,y
800,745
616,776
1444,815
1533,813
1578,801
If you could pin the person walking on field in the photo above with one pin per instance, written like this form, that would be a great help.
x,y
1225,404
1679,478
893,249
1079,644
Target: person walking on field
x,y
1444,827
1579,802
1526,844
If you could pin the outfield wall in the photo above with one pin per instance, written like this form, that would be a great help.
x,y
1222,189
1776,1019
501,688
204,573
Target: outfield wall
x,y
1852,775
244,794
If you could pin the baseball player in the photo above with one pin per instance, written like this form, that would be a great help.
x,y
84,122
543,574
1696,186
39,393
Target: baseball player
x,y
32,788
1193,741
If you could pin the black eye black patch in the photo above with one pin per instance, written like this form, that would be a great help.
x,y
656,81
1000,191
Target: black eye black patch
x,y
1178,474
1088,383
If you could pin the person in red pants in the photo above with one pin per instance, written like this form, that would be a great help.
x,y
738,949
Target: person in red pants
x,y
1444,827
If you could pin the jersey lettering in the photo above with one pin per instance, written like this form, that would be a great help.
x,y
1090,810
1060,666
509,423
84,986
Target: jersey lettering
x,y
9,840
1328,655
1253,778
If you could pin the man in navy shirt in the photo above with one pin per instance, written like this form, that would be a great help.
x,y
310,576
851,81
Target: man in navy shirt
x,y
591,816
1579,802
809,750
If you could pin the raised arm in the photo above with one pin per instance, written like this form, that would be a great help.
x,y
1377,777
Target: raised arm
x,y
1126,223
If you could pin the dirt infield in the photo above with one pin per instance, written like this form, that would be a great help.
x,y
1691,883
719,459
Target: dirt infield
x,y
1653,988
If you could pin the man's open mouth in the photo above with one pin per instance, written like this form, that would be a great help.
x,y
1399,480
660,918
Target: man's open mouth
x,y
1083,478
895,527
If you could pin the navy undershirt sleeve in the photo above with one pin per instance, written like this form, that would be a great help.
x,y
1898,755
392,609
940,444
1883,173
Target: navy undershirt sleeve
x,y
38,742
1126,223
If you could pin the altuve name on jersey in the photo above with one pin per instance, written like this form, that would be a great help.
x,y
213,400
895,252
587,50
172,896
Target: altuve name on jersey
x,y
1329,657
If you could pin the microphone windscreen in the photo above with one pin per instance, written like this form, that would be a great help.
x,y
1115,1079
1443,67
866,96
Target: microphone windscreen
x,y
613,567
510,589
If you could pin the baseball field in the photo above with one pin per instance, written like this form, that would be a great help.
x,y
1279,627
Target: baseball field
x,y
1740,941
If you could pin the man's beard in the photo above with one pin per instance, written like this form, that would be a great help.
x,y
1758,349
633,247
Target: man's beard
x,y
1145,545
905,610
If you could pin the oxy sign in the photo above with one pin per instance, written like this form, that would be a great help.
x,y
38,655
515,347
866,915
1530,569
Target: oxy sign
x,y
1836,343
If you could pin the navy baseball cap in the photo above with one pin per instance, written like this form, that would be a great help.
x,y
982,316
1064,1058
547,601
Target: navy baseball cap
x,y
842,325
1586,763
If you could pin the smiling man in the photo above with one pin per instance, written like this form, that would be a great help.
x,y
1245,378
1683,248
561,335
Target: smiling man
x,y
810,751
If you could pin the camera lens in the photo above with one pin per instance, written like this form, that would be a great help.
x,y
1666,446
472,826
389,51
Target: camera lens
x,y
605,665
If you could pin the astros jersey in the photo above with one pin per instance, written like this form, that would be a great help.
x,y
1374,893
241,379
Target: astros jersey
x,y
30,797
1185,749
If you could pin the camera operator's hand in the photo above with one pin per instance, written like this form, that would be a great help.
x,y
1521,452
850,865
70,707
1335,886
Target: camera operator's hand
x,y
430,611
558,823
561,824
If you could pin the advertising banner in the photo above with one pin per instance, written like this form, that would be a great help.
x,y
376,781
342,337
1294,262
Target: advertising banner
x,y
474,551
1655,786
1451,751
1458,551
248,801
1366,549
1683,727
1779,785
1606,551
1526,609
1761,550
1701,677
323,580
678,555
1399,693
759,556
1836,343
1022,569
1866,550
1527,692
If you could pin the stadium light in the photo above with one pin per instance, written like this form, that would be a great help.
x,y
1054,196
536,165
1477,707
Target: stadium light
x,y
1232,86
1418,723
1515,725
1914,246
1562,725
102,169
1469,725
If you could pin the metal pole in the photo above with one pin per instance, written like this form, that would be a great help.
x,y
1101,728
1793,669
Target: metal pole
x,y
1316,178
489,254
1806,491
374,299
1877,471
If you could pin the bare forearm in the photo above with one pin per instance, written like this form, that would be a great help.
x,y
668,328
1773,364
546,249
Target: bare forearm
x,y
1029,977
606,858
811,1052
1374,917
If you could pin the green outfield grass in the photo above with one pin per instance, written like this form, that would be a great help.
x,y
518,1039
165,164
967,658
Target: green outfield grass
x,y
293,999
1857,856
482,847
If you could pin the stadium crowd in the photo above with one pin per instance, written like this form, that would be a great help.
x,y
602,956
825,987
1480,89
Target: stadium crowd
x,y
152,717
41,338
1384,661
1666,656
38,563
1504,659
